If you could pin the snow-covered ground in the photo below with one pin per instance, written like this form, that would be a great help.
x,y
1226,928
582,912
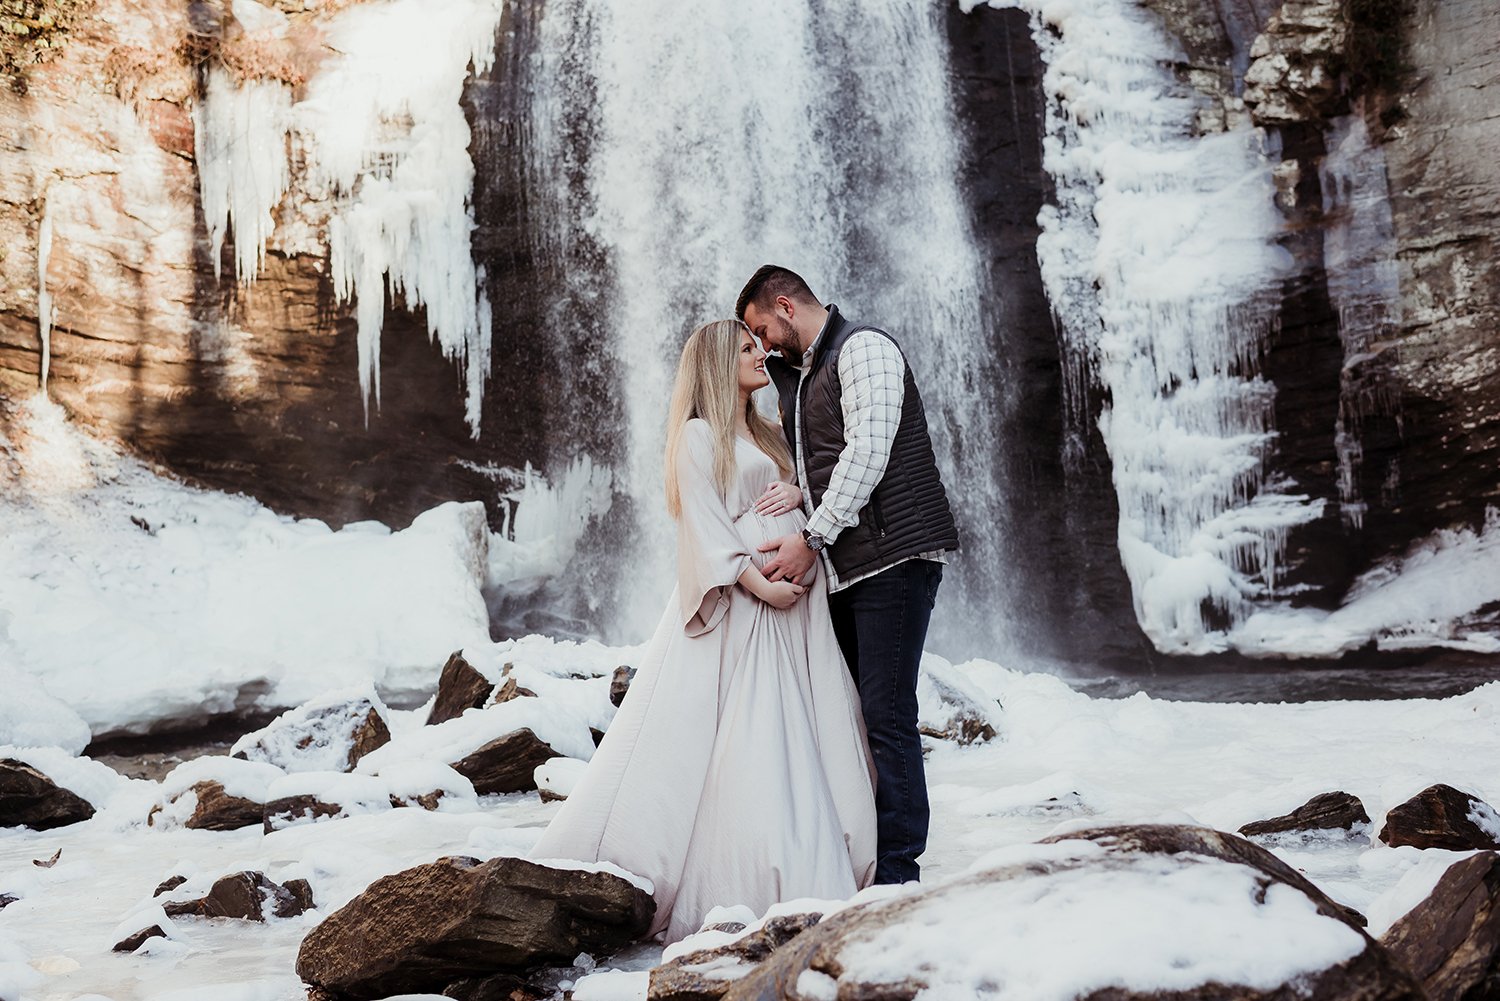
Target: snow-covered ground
x,y
128,600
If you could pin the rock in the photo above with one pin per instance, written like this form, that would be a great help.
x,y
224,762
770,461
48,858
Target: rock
x,y
290,811
459,919
168,885
6,900
216,810
460,687
506,764
1451,940
327,734
1326,811
1294,64
28,798
1441,816
950,707
504,987
248,896
619,684
510,689
1235,877
707,974
556,778
130,943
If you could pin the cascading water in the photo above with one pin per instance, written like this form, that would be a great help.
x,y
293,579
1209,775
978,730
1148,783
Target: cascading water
x,y
1160,260
727,135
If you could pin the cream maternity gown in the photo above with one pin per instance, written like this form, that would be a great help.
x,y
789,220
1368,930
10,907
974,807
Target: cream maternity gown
x,y
736,771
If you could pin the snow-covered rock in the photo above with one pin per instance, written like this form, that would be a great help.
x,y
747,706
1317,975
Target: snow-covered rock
x,y
28,798
951,707
307,797
216,793
1441,816
556,778
328,733
461,686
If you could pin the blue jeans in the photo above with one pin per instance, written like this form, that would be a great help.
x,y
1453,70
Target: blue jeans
x,y
881,623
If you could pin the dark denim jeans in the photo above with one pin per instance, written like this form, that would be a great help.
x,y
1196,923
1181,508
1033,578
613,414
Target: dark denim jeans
x,y
881,623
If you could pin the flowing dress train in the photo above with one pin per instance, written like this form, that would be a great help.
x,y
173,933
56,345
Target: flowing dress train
x,y
736,770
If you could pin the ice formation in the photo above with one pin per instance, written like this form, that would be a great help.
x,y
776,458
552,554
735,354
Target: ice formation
x,y
43,297
1160,260
240,146
381,132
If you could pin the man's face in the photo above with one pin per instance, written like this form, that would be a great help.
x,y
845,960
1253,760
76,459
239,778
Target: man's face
x,y
774,330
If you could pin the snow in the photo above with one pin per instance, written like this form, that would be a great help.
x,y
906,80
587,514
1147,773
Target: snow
x,y
560,775
315,736
1483,816
563,729
250,780
31,717
1148,923
138,600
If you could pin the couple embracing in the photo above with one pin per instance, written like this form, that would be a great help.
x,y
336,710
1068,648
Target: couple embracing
x,y
768,747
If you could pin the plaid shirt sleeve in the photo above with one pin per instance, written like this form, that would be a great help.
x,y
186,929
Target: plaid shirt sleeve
x,y
872,375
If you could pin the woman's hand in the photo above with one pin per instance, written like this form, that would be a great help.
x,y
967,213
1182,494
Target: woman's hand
x,y
779,498
782,594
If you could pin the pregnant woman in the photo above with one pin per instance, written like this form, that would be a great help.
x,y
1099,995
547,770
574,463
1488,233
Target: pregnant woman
x,y
736,771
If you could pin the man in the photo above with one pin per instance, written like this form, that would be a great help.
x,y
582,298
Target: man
x,y
878,518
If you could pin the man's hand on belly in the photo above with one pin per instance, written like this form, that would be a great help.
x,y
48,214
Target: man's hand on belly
x,y
793,558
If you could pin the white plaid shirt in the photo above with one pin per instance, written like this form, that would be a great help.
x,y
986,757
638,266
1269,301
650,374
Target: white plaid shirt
x,y
872,380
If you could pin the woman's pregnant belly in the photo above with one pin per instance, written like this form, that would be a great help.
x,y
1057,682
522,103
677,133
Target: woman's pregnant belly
x,y
756,529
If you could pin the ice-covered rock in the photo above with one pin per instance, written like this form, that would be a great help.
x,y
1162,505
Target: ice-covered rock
x,y
951,707
1140,912
329,733
1326,811
307,797
455,919
1441,816
29,798
215,793
461,686
706,974
1451,940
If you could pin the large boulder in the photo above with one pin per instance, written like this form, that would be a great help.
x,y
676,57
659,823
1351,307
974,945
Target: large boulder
x,y
330,733
1451,940
506,764
459,919
460,687
1441,816
1157,912
1326,811
28,798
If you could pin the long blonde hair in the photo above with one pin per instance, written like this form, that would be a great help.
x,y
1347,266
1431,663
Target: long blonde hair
x,y
708,387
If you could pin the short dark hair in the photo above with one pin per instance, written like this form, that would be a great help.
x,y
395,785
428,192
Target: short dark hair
x,y
769,283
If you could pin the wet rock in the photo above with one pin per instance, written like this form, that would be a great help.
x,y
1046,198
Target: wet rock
x,y
216,810
247,895
619,684
130,943
1451,940
289,811
708,974
506,764
1441,816
1326,811
329,734
813,964
460,687
28,798
168,885
458,919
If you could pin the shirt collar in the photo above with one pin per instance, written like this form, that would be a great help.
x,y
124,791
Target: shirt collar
x,y
812,349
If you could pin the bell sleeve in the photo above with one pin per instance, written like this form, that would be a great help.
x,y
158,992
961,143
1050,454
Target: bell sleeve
x,y
710,553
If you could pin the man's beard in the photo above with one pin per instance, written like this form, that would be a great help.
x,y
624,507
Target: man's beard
x,y
789,349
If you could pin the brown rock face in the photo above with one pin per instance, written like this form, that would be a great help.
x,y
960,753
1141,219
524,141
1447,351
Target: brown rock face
x,y
460,687
130,943
248,896
456,919
1327,811
1439,816
707,975
1451,940
506,764
28,798
219,811
1371,975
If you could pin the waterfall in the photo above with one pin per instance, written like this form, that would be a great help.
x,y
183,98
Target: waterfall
x,y
721,136
1160,260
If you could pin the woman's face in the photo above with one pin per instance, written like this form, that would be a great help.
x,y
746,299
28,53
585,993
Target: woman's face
x,y
752,366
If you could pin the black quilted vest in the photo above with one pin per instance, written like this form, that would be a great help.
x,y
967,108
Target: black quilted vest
x,y
908,514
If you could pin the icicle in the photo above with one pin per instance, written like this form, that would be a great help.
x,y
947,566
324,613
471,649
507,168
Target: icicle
x,y
43,297
239,139
386,135
1160,259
